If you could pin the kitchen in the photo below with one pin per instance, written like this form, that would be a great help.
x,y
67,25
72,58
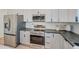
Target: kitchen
x,y
39,28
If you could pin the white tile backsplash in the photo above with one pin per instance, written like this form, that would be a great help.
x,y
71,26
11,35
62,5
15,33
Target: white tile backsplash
x,y
75,28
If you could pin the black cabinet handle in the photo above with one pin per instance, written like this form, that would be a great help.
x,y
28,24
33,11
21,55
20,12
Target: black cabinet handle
x,y
24,35
76,19
53,35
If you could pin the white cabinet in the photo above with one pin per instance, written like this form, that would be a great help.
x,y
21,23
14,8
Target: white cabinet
x,y
67,15
67,45
58,41
25,37
54,41
63,15
50,15
48,40
54,15
72,15
61,43
77,16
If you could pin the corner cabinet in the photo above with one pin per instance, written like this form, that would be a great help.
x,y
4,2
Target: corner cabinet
x,y
25,37
56,41
53,41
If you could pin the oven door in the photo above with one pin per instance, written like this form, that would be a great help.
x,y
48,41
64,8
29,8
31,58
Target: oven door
x,y
37,39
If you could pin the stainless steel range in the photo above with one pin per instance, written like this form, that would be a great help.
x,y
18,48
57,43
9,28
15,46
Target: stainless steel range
x,y
37,36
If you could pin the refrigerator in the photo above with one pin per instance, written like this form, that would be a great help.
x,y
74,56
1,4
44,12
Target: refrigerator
x,y
12,25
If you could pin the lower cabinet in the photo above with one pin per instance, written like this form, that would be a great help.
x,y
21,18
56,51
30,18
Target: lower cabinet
x,y
56,41
53,41
67,45
25,37
48,40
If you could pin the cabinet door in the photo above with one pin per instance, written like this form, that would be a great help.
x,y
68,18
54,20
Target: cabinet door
x,y
48,37
58,41
72,15
54,15
67,45
77,14
24,37
48,40
67,15
63,15
27,37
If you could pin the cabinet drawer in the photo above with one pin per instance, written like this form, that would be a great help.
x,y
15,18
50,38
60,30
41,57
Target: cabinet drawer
x,y
49,34
49,39
67,45
47,45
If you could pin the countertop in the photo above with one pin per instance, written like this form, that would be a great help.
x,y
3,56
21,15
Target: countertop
x,y
71,37
26,29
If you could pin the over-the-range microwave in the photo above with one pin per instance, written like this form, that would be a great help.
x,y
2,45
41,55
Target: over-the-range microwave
x,y
38,18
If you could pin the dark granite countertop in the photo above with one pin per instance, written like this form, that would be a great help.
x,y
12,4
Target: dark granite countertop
x,y
27,29
71,37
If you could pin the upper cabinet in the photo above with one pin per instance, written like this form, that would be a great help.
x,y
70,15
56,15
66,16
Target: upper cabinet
x,y
77,16
72,15
54,15
63,15
50,15
67,15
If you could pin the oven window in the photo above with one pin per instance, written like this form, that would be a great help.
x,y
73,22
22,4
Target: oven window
x,y
37,39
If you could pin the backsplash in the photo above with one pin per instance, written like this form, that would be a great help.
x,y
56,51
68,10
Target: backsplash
x,y
58,26
75,28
